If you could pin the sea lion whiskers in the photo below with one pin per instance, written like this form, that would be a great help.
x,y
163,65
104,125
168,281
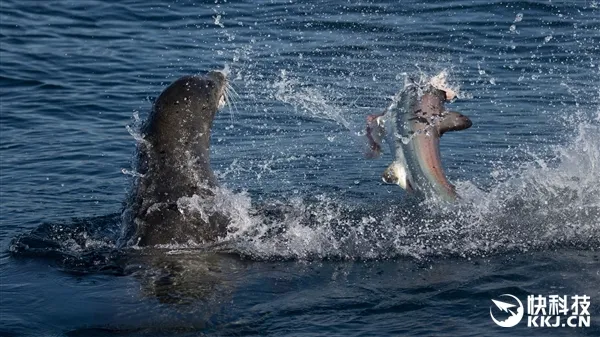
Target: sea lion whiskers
x,y
231,89
231,97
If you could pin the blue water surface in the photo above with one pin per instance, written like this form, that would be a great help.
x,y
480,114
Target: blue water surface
x,y
350,256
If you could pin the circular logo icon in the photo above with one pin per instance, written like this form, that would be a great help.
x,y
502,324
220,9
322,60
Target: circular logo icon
x,y
514,309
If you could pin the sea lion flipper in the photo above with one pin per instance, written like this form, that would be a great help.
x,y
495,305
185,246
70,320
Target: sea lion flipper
x,y
453,121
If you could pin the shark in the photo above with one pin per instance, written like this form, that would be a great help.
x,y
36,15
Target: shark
x,y
412,126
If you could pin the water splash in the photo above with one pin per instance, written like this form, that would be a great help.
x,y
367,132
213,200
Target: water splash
x,y
551,204
546,204
308,100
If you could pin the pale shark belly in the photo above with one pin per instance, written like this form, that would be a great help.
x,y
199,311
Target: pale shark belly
x,y
422,156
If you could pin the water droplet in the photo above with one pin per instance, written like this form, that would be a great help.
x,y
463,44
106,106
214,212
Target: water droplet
x,y
519,17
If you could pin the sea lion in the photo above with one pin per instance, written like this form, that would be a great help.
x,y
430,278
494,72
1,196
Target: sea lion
x,y
171,201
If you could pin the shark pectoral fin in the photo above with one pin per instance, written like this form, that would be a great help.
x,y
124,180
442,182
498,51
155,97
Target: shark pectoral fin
x,y
374,132
453,121
396,174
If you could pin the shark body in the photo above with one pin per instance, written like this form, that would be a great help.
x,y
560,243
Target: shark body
x,y
413,125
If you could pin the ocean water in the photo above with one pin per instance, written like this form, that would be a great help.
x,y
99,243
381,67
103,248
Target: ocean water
x,y
343,253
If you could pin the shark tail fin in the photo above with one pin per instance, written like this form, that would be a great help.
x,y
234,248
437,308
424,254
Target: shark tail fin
x,y
453,121
396,174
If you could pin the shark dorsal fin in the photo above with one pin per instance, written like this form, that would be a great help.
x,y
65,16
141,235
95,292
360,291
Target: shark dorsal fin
x,y
453,121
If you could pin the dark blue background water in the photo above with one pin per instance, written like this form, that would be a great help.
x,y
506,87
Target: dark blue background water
x,y
352,258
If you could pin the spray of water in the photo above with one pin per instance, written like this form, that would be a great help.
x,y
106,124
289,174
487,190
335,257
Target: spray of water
x,y
539,207
544,204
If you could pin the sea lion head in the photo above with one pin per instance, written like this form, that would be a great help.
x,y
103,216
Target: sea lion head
x,y
189,102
